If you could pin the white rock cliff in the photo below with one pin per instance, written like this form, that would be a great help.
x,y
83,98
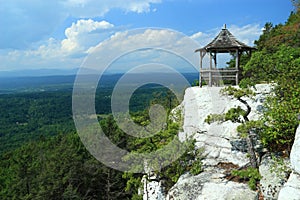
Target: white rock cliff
x,y
223,150
217,139
291,189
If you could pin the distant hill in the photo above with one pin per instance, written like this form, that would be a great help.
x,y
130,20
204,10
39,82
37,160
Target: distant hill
x,y
11,84
38,72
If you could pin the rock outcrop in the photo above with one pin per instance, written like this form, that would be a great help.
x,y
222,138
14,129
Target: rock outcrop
x,y
209,185
273,176
291,189
224,150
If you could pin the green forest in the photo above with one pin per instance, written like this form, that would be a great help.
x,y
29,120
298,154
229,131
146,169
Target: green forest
x,y
42,156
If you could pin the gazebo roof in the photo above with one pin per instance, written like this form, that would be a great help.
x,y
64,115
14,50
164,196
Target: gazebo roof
x,y
225,42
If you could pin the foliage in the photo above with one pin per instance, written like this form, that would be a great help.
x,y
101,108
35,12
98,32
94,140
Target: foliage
x,y
137,197
277,61
271,67
250,174
29,116
237,92
195,82
196,167
214,118
281,118
57,168
36,166
243,59
189,161
234,114
254,126
280,167
133,183
283,106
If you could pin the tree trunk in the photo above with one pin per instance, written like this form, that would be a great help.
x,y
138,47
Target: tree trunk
x,y
245,116
251,150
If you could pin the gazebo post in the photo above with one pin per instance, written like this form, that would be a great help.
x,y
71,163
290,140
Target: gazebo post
x,y
201,62
210,70
215,60
237,66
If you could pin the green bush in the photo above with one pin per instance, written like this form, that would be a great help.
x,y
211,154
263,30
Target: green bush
x,y
234,114
250,174
215,118
196,167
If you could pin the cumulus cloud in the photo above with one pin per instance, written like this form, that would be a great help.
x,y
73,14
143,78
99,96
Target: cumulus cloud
x,y
247,34
204,38
142,46
84,34
196,35
101,37
69,52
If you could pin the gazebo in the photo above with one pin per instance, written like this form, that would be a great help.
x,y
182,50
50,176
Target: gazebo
x,y
225,42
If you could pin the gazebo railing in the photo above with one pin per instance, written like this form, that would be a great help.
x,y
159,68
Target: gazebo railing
x,y
215,76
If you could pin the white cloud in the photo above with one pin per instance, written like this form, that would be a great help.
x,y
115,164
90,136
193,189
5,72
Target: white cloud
x,y
247,34
69,52
92,8
142,46
86,36
204,37
196,35
80,34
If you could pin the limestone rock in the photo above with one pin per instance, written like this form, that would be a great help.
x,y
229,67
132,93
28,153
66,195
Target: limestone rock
x,y
295,152
227,191
209,186
272,178
220,141
188,187
291,190
152,189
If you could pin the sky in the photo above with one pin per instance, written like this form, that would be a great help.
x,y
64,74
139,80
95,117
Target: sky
x,y
61,34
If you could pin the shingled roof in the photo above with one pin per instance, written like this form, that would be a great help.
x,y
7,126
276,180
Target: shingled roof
x,y
225,42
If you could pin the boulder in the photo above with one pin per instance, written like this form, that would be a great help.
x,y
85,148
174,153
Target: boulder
x,y
291,190
209,185
153,189
227,191
295,152
273,177
188,187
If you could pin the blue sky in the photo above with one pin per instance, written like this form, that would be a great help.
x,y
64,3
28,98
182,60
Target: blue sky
x,y
59,34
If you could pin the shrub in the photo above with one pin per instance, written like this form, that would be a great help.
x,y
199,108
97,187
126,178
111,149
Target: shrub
x,y
250,174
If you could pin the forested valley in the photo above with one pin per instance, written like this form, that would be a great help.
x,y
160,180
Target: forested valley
x,y
42,156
